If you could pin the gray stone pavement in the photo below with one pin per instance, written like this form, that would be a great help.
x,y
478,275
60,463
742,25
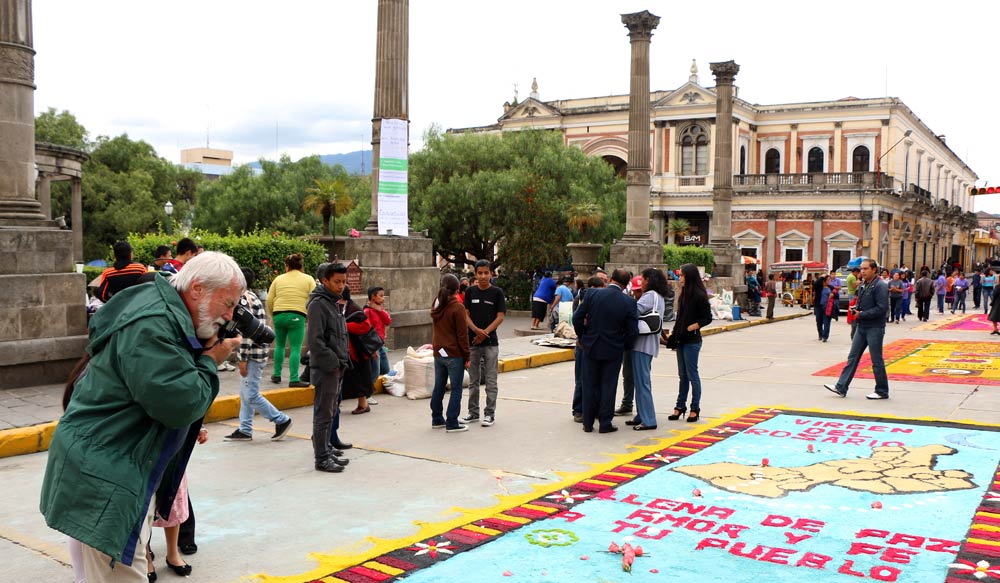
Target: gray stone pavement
x,y
33,405
262,509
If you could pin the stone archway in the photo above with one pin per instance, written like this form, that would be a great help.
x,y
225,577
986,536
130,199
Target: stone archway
x,y
613,150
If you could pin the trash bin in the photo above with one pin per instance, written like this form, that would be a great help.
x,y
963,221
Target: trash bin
x,y
736,313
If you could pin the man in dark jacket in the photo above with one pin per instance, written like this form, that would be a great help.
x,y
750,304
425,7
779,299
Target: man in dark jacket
x,y
328,359
607,323
924,290
135,412
870,311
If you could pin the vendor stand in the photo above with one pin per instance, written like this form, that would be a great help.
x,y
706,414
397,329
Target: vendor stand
x,y
797,278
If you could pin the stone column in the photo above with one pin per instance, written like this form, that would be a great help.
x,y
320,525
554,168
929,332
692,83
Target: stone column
x,y
45,195
671,215
637,250
17,115
392,83
640,30
818,237
720,233
772,237
76,216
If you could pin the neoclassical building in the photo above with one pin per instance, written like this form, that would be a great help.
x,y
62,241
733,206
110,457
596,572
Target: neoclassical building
x,y
819,181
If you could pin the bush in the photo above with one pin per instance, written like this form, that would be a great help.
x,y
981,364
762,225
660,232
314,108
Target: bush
x,y
264,252
517,290
676,255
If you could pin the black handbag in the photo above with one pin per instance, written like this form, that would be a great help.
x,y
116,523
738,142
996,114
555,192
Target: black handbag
x,y
672,341
370,342
651,323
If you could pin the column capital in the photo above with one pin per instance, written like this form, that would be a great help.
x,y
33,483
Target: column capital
x,y
725,72
817,215
640,25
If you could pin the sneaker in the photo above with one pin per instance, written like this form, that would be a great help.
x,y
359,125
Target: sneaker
x,y
280,429
237,436
329,465
470,418
834,389
876,396
488,420
372,401
458,429
438,425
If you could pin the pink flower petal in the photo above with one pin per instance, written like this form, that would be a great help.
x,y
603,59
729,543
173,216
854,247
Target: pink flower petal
x,y
507,573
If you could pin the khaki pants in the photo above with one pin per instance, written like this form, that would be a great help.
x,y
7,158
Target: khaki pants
x,y
98,565
770,307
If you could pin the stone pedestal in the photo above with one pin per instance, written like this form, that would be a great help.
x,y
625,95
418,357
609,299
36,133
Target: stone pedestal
x,y
404,267
584,256
636,256
43,321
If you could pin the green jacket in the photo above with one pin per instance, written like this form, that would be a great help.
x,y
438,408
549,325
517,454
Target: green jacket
x,y
131,422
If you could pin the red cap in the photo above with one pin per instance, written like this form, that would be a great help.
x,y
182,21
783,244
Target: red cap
x,y
636,282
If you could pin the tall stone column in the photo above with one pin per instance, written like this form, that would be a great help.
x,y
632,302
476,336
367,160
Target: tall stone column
x,y
720,235
17,115
640,30
45,195
404,266
76,216
392,81
637,250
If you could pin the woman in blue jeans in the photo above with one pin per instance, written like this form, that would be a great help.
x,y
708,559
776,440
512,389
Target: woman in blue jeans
x,y
693,314
450,339
646,347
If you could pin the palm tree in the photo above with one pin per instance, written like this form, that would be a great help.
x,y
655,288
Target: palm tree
x,y
329,198
679,227
584,217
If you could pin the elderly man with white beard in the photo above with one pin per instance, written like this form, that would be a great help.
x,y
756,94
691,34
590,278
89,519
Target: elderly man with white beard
x,y
137,405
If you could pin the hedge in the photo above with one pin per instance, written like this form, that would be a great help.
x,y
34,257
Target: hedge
x,y
264,252
676,255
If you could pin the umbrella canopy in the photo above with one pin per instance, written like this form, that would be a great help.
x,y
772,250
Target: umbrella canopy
x,y
856,262
747,260
97,263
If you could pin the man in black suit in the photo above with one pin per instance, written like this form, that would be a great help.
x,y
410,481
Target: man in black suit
x,y
606,323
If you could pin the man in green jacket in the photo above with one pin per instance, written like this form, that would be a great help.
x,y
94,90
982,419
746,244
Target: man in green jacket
x,y
123,444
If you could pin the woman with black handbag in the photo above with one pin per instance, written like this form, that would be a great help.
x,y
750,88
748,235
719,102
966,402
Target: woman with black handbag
x,y
651,307
357,379
693,314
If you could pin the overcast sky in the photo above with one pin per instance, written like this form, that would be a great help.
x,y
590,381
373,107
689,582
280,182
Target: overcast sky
x,y
297,76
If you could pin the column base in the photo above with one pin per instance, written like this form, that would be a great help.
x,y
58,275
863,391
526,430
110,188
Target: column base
x,y
636,255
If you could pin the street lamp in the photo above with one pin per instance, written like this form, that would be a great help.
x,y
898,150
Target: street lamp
x,y
169,209
878,163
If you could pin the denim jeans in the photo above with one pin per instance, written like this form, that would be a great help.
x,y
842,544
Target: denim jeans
x,y
687,369
987,297
447,368
820,316
870,338
825,328
959,303
251,400
641,365
895,307
906,307
488,355
380,363
940,303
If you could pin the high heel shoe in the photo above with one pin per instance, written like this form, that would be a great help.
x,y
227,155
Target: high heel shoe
x,y
677,414
182,570
693,417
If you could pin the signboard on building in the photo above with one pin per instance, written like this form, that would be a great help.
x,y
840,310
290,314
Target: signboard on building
x,y
353,276
393,178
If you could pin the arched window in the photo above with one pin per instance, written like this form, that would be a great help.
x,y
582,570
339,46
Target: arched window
x,y
694,151
860,159
772,162
815,160
743,159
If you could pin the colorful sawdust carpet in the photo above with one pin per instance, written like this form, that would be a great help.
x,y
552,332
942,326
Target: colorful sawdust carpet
x,y
970,323
765,495
933,361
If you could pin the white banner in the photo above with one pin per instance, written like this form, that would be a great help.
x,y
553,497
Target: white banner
x,y
393,161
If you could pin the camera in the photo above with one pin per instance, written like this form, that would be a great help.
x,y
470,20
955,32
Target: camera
x,y
245,323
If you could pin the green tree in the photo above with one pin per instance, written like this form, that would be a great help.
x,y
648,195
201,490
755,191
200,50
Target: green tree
x,y
60,128
583,218
329,199
270,198
477,192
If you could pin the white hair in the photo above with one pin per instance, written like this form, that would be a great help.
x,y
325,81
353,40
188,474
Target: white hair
x,y
211,269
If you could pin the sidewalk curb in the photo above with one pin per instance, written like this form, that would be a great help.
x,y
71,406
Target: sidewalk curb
x,y
36,438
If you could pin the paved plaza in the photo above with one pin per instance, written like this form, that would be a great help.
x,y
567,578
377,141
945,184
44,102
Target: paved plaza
x,y
264,514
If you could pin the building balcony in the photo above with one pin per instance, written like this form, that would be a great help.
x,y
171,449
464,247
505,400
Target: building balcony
x,y
830,181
